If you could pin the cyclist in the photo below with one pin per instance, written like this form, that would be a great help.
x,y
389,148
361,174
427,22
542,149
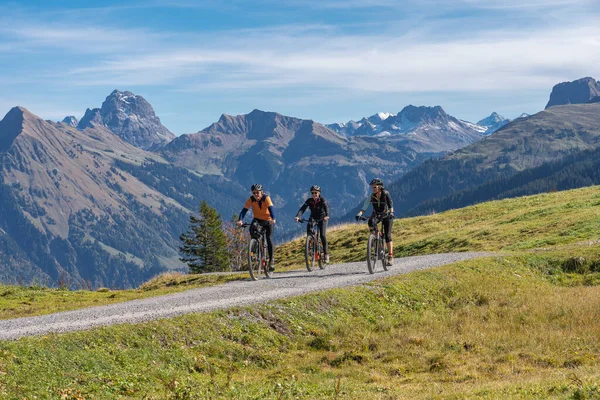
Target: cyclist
x,y
262,208
383,206
319,212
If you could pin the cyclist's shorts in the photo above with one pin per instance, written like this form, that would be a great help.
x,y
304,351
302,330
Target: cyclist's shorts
x,y
256,230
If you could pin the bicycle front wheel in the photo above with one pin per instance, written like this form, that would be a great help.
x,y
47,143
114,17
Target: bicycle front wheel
x,y
372,253
309,252
254,259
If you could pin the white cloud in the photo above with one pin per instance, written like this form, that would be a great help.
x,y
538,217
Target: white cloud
x,y
26,36
490,60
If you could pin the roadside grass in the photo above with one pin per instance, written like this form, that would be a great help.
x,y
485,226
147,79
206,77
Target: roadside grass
x,y
25,301
521,326
524,223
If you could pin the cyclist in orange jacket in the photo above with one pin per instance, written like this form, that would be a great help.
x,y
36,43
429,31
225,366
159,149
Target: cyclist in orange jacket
x,y
262,209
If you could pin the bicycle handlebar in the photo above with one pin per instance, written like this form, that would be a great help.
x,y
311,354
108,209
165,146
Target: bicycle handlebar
x,y
306,220
379,217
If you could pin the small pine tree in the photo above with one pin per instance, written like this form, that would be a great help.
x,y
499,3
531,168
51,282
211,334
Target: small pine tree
x,y
237,243
204,245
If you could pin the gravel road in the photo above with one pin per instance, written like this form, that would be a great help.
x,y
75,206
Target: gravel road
x,y
236,293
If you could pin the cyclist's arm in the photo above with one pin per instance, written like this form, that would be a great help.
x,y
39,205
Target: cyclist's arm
x,y
326,207
302,209
247,205
269,203
390,203
365,205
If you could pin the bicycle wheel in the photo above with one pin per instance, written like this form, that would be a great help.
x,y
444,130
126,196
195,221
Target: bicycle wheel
x,y
320,254
372,255
254,259
309,252
265,258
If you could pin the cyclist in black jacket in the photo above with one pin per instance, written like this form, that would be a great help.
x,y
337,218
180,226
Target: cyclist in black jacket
x,y
383,206
319,212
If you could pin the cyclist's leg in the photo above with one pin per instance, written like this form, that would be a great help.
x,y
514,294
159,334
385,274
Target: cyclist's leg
x,y
387,232
323,232
370,222
269,234
253,227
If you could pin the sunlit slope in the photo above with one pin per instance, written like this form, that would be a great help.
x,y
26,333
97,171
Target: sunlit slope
x,y
513,224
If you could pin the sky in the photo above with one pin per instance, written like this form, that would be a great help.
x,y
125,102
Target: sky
x,y
325,60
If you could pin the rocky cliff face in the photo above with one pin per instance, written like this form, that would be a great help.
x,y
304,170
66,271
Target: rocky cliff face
x,y
71,121
71,212
130,117
575,92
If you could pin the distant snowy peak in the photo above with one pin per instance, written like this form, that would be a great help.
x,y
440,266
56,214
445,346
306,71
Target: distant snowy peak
x,y
476,127
410,120
524,115
492,123
380,116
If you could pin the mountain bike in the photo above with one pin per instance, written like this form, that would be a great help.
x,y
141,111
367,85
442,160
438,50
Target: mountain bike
x,y
376,248
258,256
313,248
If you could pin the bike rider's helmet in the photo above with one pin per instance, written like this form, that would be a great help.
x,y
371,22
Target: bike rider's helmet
x,y
257,187
315,188
376,181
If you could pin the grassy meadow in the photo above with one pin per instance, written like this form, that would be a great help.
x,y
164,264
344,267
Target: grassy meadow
x,y
521,325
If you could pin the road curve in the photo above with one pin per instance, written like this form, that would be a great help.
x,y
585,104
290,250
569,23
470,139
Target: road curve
x,y
231,294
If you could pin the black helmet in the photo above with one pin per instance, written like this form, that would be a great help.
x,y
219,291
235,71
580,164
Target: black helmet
x,y
376,181
315,188
256,187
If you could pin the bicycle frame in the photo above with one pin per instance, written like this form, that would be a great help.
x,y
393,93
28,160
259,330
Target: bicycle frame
x,y
257,255
376,250
314,246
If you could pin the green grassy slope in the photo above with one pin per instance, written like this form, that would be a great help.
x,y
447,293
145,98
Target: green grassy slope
x,y
531,222
521,325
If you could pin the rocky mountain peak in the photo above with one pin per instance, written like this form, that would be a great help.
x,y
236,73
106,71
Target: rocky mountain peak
x,y
422,113
130,117
11,126
71,121
492,123
91,119
576,92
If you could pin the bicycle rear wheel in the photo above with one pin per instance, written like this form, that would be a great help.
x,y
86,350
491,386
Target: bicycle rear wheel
x,y
372,253
254,259
309,252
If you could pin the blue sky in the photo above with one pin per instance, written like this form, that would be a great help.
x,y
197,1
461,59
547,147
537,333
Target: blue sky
x,y
326,60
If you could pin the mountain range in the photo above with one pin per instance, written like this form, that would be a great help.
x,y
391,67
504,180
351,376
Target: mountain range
x,y
102,201
526,146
